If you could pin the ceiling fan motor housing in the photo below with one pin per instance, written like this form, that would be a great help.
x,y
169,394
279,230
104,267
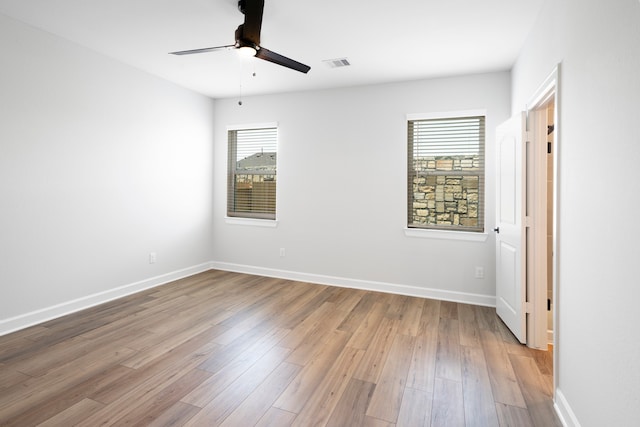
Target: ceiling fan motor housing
x,y
241,41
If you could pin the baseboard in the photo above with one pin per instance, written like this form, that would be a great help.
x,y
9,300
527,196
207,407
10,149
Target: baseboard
x,y
566,415
439,294
35,317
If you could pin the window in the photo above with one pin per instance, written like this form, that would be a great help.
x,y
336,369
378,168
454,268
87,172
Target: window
x,y
251,183
446,173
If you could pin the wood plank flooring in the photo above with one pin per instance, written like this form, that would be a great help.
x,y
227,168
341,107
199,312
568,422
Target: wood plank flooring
x,y
230,349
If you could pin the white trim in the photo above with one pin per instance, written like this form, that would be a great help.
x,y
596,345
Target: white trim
x,y
251,222
545,91
256,222
551,88
391,288
38,316
565,413
252,126
446,114
446,234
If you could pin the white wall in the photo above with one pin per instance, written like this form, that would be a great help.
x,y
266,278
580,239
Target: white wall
x,y
100,164
598,45
341,200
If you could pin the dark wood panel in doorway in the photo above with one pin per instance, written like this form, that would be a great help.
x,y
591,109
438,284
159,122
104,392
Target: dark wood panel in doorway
x,y
231,349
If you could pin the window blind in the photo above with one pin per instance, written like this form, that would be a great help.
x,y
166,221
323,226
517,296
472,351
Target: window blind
x,y
446,173
252,167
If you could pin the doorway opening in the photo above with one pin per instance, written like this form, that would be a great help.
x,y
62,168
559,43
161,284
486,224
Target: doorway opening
x,y
540,238
550,216
541,205
526,222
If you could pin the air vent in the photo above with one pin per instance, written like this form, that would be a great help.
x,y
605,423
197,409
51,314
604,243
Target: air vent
x,y
337,63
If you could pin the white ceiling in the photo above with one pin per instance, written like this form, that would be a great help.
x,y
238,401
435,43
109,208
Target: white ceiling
x,y
385,41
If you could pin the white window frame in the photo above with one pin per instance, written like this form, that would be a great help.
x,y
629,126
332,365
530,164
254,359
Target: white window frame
x,y
249,220
447,234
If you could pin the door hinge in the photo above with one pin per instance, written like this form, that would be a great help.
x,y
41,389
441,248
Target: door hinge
x,y
527,221
528,135
528,307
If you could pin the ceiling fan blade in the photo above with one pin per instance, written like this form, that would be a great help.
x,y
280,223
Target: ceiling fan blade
x,y
252,10
248,35
276,58
202,50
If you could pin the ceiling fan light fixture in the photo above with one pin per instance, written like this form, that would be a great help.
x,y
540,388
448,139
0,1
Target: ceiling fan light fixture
x,y
248,51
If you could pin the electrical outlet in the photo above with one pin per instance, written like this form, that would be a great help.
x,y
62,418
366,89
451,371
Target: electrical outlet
x,y
479,272
281,252
152,258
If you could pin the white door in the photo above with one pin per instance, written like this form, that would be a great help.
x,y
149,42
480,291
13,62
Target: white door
x,y
510,226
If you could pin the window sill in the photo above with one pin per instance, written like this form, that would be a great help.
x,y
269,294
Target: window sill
x,y
446,235
251,222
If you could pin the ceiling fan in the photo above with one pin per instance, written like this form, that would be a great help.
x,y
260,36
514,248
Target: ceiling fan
x,y
248,38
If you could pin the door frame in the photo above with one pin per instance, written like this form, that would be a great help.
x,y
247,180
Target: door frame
x,y
536,258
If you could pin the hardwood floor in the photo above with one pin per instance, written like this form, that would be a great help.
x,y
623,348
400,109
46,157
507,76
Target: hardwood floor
x,y
230,349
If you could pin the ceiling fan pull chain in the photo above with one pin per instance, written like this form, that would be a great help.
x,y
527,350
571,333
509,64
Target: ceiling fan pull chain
x,y
240,90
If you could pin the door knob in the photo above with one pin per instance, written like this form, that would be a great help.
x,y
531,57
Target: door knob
x,y
497,230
